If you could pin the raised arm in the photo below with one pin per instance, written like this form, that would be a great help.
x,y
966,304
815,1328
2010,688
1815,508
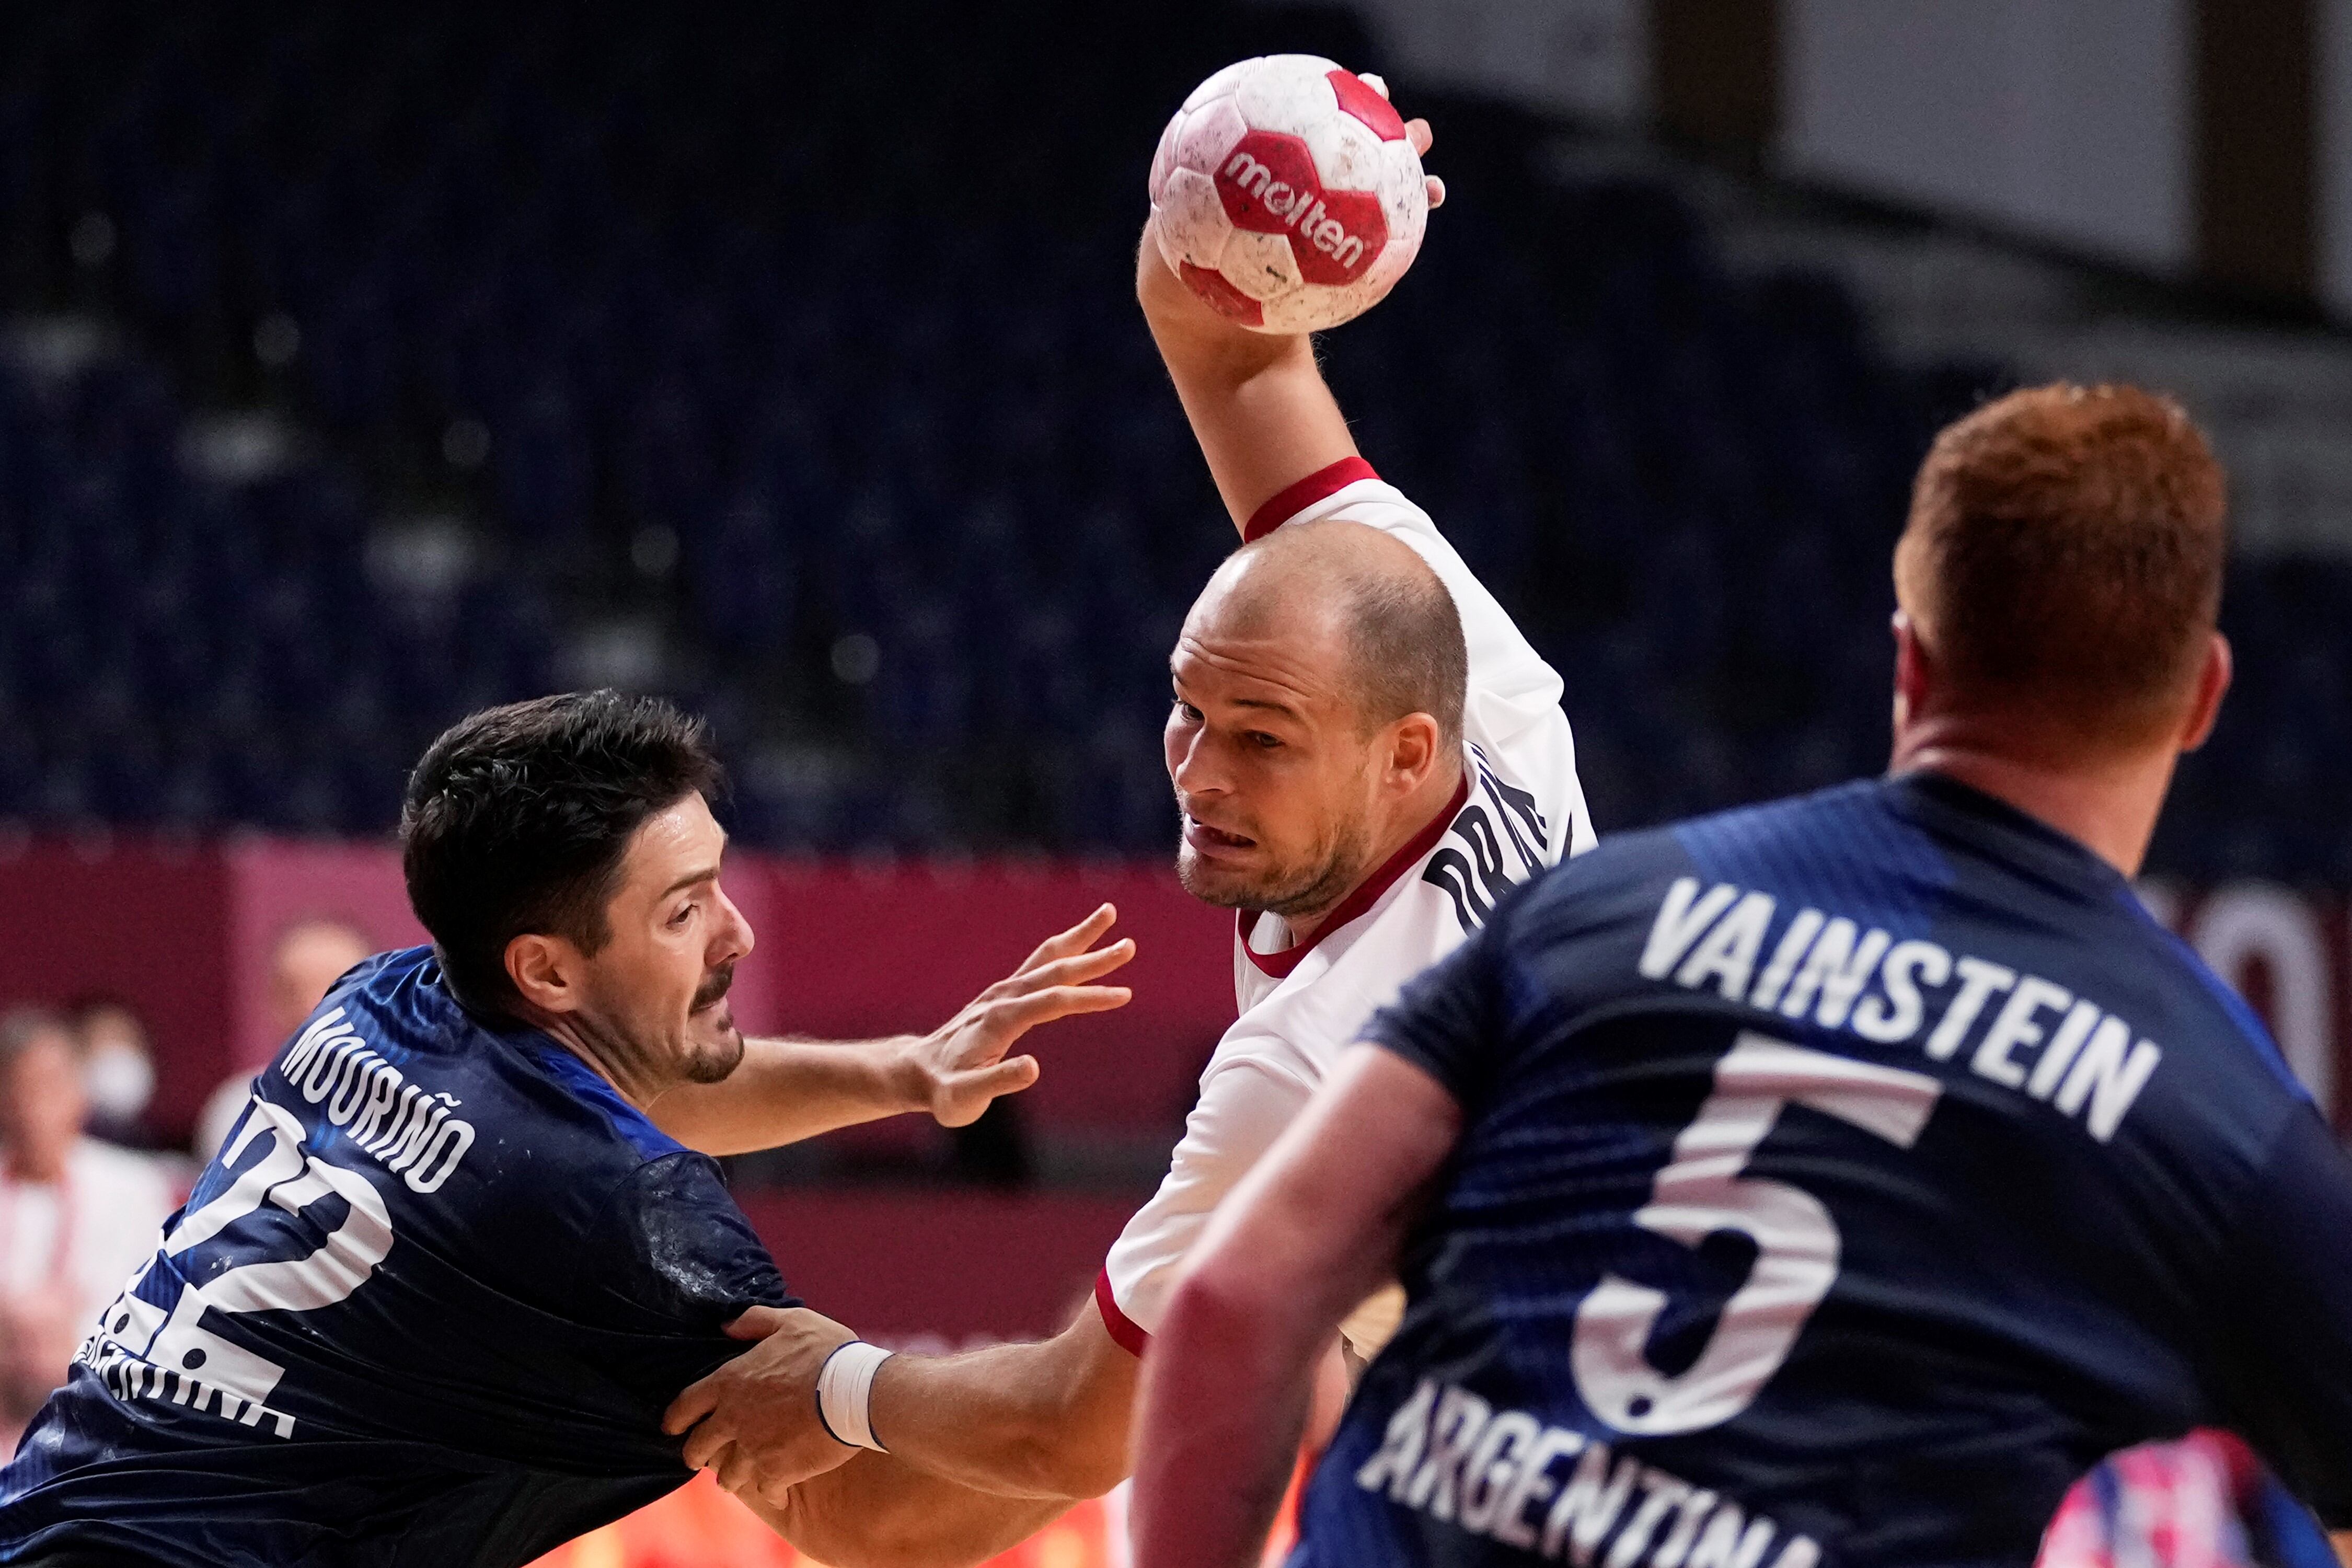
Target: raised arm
x,y
1305,1238
787,1090
1257,402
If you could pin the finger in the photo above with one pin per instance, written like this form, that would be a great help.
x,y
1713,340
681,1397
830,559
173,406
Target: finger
x,y
1423,138
1076,970
1004,1077
737,1471
706,1445
1015,1016
757,1323
966,1095
1377,83
699,1401
1437,190
1077,938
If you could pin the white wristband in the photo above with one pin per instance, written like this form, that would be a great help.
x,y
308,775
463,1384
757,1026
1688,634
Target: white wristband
x,y
844,1388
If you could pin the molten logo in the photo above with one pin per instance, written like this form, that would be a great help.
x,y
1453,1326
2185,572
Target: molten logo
x,y
1268,184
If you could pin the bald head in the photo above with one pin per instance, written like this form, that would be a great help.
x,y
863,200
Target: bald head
x,y
1374,600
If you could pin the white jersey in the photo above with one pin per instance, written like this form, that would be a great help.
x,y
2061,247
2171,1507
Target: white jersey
x,y
1518,810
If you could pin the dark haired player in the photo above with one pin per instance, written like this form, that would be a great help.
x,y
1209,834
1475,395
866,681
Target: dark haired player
x,y
427,1304
1830,1182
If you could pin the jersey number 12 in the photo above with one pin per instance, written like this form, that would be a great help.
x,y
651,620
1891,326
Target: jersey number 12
x,y
1702,1190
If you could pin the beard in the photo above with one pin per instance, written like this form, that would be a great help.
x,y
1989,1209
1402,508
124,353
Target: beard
x,y
714,1061
718,1062
1305,889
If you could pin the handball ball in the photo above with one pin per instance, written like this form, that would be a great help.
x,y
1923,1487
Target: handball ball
x,y
1287,195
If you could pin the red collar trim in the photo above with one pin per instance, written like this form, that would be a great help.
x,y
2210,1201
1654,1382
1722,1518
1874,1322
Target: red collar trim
x,y
1317,486
1367,892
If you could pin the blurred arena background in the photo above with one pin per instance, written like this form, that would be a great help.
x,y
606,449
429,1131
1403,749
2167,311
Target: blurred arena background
x,y
362,366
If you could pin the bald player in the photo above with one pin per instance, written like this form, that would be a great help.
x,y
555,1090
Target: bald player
x,y
1367,755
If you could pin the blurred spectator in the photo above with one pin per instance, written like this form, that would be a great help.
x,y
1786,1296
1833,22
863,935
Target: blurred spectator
x,y
2205,1501
77,1216
117,1069
310,956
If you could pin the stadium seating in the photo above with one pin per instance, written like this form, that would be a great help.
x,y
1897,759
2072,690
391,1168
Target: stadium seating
x,y
809,347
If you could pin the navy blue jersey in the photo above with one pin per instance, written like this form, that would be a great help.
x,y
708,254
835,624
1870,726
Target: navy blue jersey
x,y
427,1306
1839,1180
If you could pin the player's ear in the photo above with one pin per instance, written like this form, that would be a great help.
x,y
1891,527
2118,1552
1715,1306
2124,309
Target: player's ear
x,y
544,973
1913,671
2212,685
1415,746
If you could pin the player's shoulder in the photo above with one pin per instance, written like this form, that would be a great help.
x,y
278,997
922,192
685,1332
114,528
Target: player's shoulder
x,y
1609,881
1860,849
2041,901
1585,922
2195,1008
383,974
598,1104
1348,489
401,1003
1789,838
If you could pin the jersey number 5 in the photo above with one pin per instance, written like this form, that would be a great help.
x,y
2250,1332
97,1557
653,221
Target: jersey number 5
x,y
1701,1191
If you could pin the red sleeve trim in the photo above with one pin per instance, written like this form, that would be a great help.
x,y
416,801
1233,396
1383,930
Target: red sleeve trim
x,y
1124,1331
1314,487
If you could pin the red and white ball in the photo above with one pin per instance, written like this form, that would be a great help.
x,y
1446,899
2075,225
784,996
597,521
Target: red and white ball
x,y
1287,195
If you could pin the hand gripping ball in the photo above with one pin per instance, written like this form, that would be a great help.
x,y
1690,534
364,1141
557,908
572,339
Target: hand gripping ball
x,y
1287,195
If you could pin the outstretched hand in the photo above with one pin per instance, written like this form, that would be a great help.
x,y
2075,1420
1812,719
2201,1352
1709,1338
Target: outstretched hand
x,y
962,1065
753,1422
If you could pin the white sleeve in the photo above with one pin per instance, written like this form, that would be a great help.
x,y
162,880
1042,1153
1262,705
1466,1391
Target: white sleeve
x,y
1245,1102
1512,711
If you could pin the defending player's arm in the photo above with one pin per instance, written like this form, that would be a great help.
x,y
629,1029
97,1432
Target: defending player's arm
x,y
1313,1229
787,1090
1019,1432
1044,1420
